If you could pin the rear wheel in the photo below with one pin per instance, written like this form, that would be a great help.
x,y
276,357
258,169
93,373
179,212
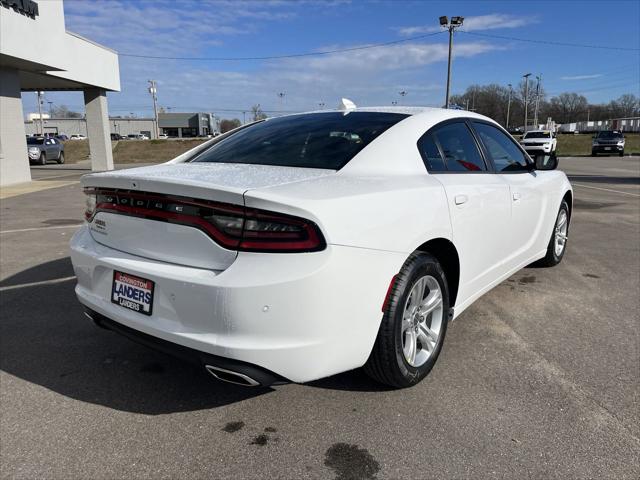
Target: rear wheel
x,y
61,158
413,326
43,158
558,242
593,153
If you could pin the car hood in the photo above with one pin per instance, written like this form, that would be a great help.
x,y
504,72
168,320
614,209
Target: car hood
x,y
536,140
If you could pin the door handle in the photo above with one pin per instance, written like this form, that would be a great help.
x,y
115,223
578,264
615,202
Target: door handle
x,y
460,199
516,196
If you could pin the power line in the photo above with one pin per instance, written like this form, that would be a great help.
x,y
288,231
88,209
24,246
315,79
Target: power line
x,y
550,42
276,57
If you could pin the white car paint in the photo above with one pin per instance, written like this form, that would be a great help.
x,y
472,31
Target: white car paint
x,y
309,315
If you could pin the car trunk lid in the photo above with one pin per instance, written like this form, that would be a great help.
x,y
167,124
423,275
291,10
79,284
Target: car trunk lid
x,y
170,241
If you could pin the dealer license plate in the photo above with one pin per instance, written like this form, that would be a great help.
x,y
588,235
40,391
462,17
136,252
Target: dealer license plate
x,y
607,148
132,292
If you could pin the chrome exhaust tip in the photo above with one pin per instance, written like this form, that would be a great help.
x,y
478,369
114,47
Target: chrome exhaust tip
x,y
231,377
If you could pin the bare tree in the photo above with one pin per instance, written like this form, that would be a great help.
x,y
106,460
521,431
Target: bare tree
x,y
567,107
227,124
257,113
63,112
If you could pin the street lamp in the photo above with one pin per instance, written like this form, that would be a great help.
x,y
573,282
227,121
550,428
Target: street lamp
x,y
403,93
509,104
281,95
451,26
526,98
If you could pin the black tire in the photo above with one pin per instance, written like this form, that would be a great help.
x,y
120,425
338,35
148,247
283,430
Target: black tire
x,y
551,259
593,153
621,154
61,158
43,159
387,363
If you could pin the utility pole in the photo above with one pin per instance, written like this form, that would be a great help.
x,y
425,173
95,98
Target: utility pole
x,y
587,116
153,90
244,117
509,104
535,115
526,99
451,26
40,111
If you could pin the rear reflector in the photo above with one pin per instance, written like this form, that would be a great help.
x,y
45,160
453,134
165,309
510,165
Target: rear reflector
x,y
232,226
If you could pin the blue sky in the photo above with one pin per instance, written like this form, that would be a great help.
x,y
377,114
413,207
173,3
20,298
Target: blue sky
x,y
369,77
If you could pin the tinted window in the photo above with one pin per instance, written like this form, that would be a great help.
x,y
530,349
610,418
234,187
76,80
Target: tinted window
x,y
320,140
431,155
609,135
506,155
459,148
35,141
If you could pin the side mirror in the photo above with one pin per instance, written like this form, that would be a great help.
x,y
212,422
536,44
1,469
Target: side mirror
x,y
546,162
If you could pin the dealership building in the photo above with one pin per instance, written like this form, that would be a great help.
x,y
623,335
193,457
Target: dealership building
x,y
177,125
37,53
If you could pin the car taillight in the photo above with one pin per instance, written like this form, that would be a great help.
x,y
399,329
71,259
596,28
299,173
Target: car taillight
x,y
91,206
232,226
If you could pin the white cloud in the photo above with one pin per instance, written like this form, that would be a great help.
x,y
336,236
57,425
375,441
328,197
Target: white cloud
x,y
492,21
581,77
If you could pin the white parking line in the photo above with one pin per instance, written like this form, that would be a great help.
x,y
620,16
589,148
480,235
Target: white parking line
x,y
606,189
36,284
35,229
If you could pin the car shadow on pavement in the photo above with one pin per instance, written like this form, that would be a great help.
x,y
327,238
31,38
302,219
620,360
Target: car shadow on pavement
x,y
45,339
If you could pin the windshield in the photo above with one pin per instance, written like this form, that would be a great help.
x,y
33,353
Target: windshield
x,y
35,141
609,135
538,135
318,140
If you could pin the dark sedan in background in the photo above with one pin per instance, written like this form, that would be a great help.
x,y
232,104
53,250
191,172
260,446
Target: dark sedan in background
x,y
42,149
608,141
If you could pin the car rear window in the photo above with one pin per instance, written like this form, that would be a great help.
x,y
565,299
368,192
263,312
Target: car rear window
x,y
318,140
35,141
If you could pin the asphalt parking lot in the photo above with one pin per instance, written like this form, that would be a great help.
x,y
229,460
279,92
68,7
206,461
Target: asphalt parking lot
x,y
538,379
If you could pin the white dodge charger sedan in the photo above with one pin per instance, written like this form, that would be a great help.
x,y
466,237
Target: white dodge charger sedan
x,y
302,246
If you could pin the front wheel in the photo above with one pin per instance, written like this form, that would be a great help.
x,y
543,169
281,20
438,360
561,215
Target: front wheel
x,y
61,158
559,236
43,158
621,154
413,325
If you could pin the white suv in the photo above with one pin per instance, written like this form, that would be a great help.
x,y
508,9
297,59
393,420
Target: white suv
x,y
537,142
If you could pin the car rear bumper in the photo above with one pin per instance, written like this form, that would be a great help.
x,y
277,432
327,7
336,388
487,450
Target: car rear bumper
x,y
298,316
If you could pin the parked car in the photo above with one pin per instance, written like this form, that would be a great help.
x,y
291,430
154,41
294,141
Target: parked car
x,y
117,136
608,141
77,137
346,238
62,137
537,142
42,149
137,136
163,136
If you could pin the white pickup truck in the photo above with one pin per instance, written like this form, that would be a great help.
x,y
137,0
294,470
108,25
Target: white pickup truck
x,y
537,142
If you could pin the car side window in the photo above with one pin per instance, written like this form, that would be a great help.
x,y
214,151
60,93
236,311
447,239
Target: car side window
x,y
431,155
506,155
459,148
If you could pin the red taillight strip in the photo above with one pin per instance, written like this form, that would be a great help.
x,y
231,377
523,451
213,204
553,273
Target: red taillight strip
x,y
188,220
259,241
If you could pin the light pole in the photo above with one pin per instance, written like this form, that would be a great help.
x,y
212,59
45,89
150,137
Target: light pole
x,y
509,104
451,26
153,90
535,115
281,96
321,105
40,111
394,102
50,109
403,93
526,99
